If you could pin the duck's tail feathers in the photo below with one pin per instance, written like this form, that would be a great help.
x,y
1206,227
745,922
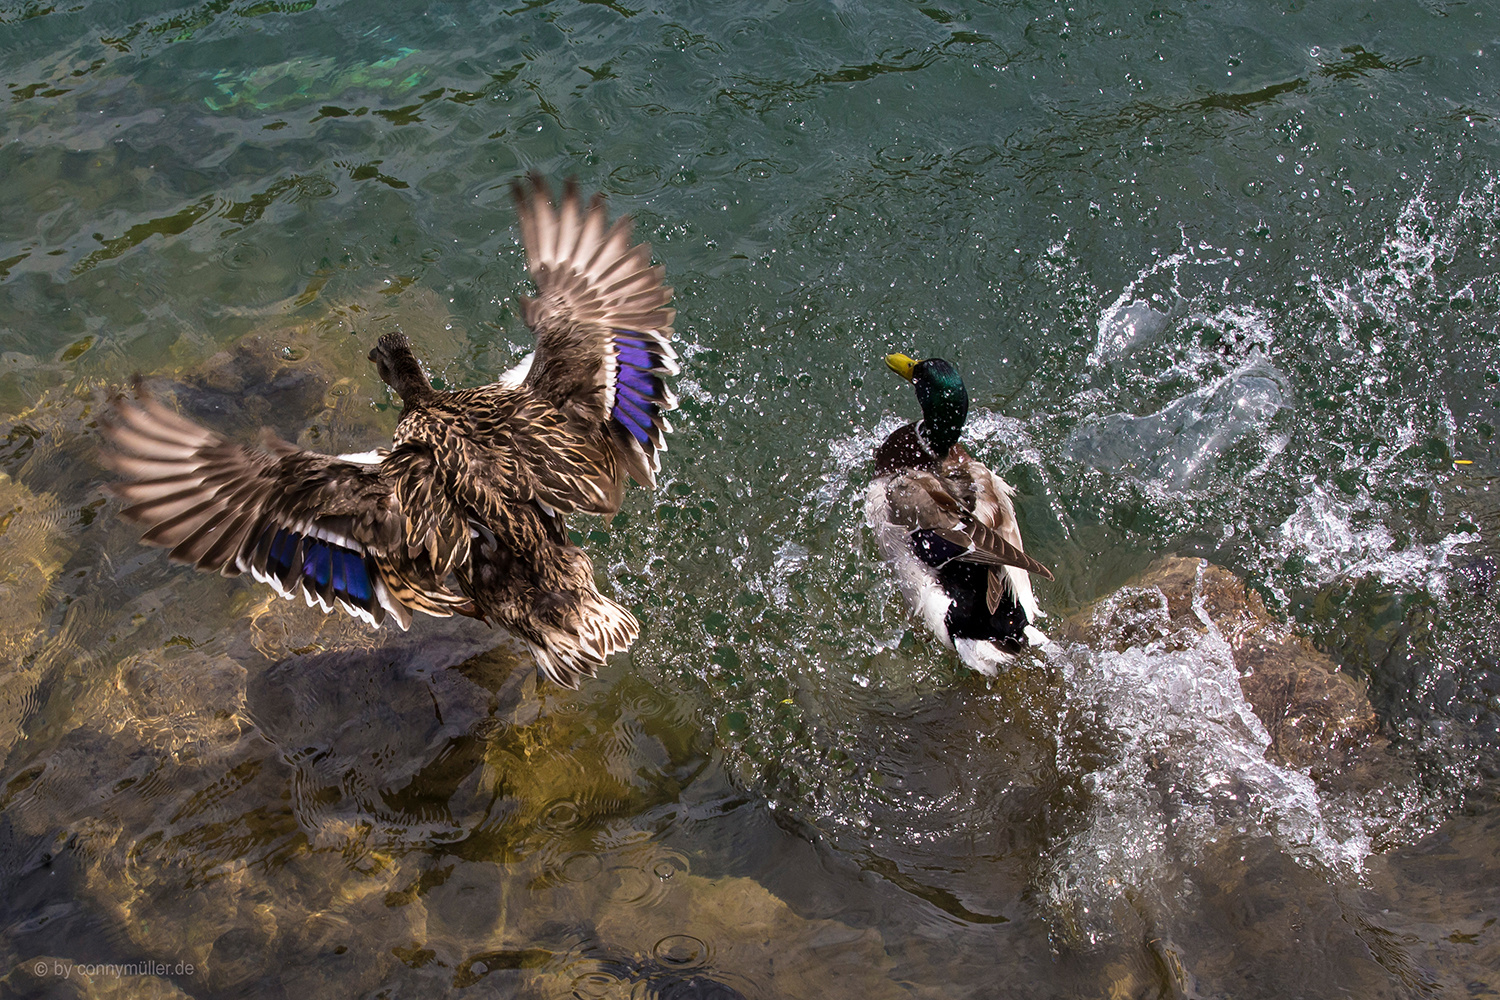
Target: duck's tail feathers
x,y
990,657
600,629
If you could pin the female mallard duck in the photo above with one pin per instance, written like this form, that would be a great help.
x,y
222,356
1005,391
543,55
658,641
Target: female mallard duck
x,y
475,484
947,525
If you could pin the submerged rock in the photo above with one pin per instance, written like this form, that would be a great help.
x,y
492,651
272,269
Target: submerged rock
x,y
33,550
1317,717
1203,732
311,382
686,936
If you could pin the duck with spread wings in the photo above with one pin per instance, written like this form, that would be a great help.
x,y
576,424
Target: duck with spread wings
x,y
947,525
465,512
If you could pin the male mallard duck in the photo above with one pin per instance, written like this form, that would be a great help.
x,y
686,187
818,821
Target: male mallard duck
x,y
947,525
476,482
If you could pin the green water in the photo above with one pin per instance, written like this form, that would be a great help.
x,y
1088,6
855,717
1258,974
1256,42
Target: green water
x,y
1221,278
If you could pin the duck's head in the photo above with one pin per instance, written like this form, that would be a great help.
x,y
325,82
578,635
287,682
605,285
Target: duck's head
x,y
945,401
399,367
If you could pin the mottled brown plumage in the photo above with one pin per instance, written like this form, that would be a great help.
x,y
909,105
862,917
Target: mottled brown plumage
x,y
464,513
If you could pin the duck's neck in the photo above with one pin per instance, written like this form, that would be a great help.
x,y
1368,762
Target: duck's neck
x,y
399,367
945,407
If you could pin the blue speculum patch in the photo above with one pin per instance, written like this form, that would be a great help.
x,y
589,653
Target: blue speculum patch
x,y
322,563
637,391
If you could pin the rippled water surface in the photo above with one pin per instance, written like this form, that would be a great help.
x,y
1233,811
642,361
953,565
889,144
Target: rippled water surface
x,y
1221,279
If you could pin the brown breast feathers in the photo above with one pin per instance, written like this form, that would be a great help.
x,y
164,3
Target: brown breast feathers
x,y
902,450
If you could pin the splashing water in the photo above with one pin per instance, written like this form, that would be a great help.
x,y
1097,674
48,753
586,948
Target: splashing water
x,y
1185,765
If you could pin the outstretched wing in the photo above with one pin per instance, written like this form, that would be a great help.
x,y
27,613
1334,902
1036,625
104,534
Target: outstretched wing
x,y
329,529
602,323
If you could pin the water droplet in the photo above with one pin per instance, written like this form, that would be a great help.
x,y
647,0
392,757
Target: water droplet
x,y
593,986
681,951
581,867
561,816
241,256
635,178
631,885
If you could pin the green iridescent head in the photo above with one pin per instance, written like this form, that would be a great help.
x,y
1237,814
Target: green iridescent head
x,y
945,401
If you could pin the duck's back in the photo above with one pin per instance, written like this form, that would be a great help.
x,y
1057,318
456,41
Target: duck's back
x,y
948,529
502,446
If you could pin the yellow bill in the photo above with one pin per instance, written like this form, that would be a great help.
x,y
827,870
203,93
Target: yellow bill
x,y
901,365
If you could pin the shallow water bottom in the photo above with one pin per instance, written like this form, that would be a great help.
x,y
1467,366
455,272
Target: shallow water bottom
x,y
1219,278
417,817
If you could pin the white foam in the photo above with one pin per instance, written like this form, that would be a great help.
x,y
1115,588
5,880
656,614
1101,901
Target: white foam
x,y
987,432
1124,325
1177,446
1408,267
1321,531
1187,765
